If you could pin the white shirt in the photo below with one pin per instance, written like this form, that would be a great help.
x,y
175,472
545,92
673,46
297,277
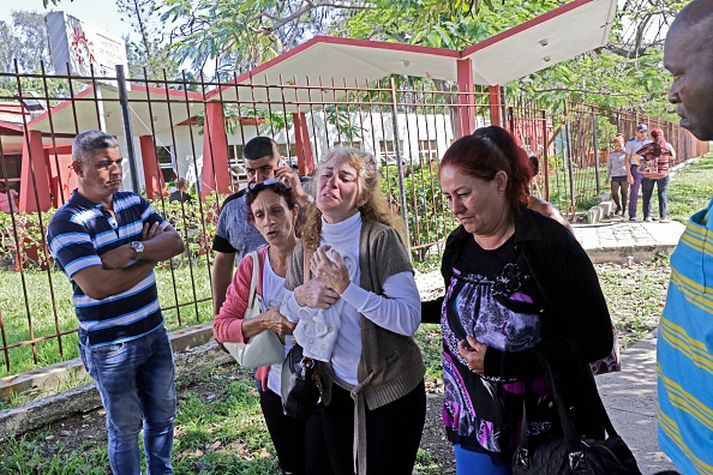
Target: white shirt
x,y
273,293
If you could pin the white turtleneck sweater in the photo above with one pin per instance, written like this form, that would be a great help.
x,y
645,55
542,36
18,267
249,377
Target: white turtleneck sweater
x,y
398,309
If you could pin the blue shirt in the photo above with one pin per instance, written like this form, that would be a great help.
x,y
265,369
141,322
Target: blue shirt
x,y
78,234
235,232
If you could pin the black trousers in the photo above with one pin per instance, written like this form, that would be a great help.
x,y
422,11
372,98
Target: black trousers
x,y
393,433
299,443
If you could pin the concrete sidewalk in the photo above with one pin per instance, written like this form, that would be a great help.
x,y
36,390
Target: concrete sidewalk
x,y
615,241
630,399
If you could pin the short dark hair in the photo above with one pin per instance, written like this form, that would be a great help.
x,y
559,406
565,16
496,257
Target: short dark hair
x,y
260,147
488,151
276,187
87,143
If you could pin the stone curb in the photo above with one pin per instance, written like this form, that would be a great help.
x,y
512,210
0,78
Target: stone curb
x,y
620,255
39,413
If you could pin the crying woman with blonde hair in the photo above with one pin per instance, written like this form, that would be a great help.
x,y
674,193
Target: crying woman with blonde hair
x,y
357,308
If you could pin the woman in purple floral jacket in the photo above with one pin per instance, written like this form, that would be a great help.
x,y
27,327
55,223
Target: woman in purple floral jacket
x,y
518,287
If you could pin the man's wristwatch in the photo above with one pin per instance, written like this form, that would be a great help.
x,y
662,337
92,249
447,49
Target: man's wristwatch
x,y
138,248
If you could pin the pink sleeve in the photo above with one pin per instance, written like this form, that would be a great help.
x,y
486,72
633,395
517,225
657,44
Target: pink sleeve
x,y
228,324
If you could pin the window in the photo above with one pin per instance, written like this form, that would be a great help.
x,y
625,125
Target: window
x,y
164,156
291,158
356,144
428,150
12,166
235,162
235,154
387,151
165,161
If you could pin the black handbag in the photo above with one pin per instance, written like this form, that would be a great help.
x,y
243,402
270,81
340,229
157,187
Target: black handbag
x,y
300,384
569,454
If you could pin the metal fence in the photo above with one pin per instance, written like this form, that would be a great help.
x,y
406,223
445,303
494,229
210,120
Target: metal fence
x,y
573,142
196,130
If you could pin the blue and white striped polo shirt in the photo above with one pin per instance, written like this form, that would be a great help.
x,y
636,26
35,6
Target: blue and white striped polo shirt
x,y
78,234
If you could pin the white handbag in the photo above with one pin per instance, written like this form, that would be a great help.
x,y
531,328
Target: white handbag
x,y
265,348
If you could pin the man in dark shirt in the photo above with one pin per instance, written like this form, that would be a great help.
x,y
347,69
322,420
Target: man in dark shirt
x,y
180,194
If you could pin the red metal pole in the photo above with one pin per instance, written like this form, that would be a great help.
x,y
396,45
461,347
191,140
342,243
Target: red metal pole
x,y
33,158
215,152
305,159
466,97
496,108
155,186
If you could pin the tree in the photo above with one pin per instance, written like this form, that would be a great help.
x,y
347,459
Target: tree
x,y
25,39
229,36
627,73
152,49
239,35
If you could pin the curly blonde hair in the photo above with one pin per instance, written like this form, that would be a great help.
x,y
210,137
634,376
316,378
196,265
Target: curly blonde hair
x,y
375,208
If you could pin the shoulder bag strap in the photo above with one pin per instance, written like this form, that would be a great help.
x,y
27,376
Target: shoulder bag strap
x,y
568,430
599,406
254,280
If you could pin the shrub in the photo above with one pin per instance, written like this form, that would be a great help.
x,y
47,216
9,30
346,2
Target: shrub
x,y
32,252
429,217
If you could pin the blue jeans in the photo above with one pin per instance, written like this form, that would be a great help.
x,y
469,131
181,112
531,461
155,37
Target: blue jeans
x,y
634,190
648,189
135,380
469,462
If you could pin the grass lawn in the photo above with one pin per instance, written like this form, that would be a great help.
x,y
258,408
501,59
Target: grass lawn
x,y
219,430
689,191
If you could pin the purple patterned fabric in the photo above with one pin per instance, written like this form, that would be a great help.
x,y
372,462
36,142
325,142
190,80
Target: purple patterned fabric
x,y
484,411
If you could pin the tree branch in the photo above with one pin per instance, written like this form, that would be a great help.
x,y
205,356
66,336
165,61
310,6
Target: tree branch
x,y
632,53
279,22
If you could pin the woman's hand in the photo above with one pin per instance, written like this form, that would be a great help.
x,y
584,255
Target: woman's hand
x,y
474,354
332,273
273,320
316,295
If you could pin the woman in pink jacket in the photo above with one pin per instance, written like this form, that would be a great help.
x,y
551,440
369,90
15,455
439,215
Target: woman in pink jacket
x,y
274,212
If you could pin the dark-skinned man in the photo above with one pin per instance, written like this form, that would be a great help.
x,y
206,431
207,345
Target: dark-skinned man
x,y
685,342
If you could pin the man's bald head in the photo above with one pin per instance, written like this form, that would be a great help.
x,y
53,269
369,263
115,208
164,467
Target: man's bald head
x,y
689,57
